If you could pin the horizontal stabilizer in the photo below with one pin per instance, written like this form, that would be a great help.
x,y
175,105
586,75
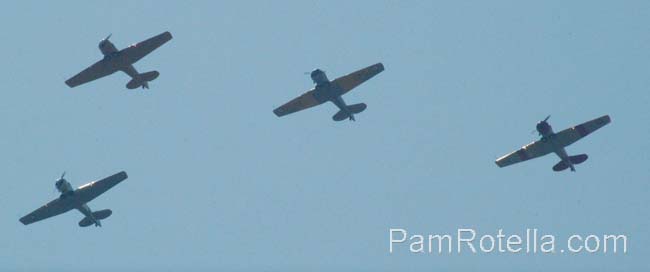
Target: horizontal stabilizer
x,y
99,215
149,76
352,109
357,108
134,83
340,116
85,222
578,159
142,79
103,214
560,166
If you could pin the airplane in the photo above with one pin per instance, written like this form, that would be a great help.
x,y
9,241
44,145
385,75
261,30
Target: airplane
x,y
326,90
121,60
552,142
76,199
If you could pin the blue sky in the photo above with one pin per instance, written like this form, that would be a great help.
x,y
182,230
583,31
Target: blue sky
x,y
216,181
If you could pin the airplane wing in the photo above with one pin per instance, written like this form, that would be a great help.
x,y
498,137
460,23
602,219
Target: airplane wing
x,y
90,191
530,151
571,135
137,51
99,69
306,100
350,81
54,207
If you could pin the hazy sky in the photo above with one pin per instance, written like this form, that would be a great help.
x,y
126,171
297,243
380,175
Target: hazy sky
x,y
217,181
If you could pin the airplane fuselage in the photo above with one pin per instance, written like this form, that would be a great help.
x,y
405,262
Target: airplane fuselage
x,y
114,58
558,149
86,211
548,135
325,90
68,194
72,199
561,152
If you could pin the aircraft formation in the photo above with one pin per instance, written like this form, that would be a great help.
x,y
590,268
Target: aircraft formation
x,y
323,91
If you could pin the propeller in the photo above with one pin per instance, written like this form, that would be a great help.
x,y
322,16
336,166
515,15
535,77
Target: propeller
x,y
108,37
546,119
63,175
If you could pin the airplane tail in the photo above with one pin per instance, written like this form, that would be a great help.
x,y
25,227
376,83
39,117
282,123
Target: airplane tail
x,y
98,215
351,109
577,159
141,80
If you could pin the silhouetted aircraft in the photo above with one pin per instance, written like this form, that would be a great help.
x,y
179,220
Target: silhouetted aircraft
x,y
76,199
332,91
555,143
122,60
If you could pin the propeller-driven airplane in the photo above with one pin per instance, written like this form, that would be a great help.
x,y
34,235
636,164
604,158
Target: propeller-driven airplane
x,y
122,60
332,91
76,199
555,143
